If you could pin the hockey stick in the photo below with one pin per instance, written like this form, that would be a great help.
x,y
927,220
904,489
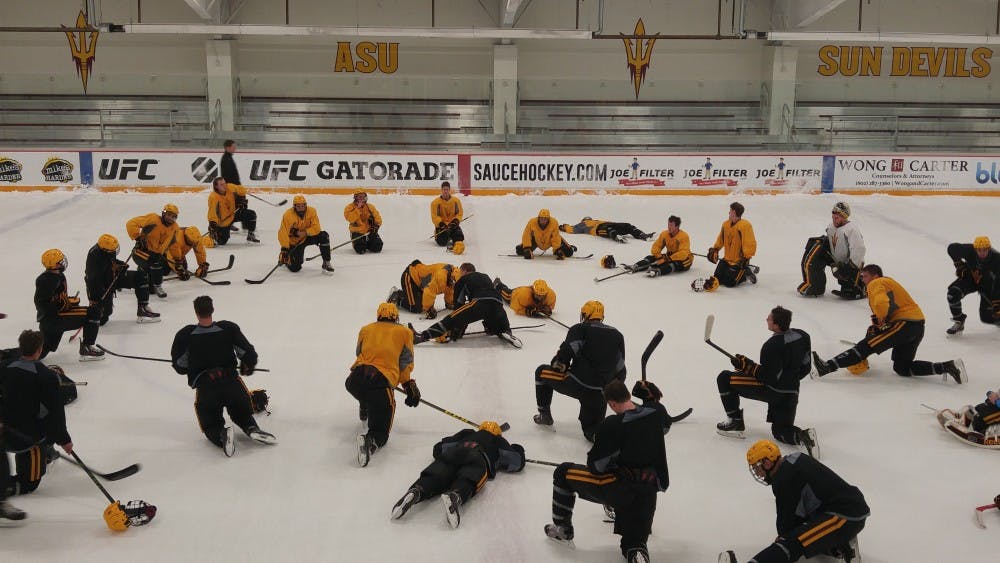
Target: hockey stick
x,y
149,359
574,257
471,215
512,328
209,282
332,248
503,427
557,321
599,280
979,514
276,266
74,384
229,266
111,476
649,351
709,321
272,204
139,512
752,267
540,462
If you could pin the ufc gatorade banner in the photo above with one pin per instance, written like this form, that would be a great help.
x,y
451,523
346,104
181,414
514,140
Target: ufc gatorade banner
x,y
639,172
916,173
39,169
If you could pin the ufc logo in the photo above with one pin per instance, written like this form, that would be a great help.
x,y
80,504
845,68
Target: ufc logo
x,y
120,168
271,169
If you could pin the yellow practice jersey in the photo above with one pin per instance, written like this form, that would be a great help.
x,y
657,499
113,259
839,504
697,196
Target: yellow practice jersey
x,y
309,222
222,208
584,227
179,248
158,236
360,219
890,302
387,346
737,241
545,238
674,248
522,300
438,284
444,211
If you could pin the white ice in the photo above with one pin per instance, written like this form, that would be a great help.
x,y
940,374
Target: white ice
x,y
305,499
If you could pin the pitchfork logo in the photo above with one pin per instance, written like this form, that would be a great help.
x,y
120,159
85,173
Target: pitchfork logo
x,y
83,48
638,55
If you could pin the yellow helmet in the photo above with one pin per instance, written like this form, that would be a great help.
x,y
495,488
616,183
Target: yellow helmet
x,y
108,243
491,426
192,234
761,450
458,247
387,312
299,199
858,368
540,288
53,258
115,518
981,243
592,311
171,208
544,214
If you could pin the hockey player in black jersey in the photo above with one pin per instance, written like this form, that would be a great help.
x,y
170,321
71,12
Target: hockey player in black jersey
x,y
105,274
818,512
463,463
615,231
977,269
476,299
625,469
784,359
207,352
58,312
591,356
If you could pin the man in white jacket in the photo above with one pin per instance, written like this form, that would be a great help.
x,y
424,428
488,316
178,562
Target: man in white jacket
x,y
843,249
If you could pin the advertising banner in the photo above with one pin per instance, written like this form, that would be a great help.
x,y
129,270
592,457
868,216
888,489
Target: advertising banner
x,y
284,170
39,169
917,173
794,173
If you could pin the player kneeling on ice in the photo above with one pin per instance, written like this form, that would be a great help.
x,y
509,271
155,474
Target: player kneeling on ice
x,y
421,284
463,463
446,216
843,249
897,324
535,300
364,222
977,267
105,274
784,360
978,425
818,512
57,312
384,360
152,234
300,228
626,468
737,240
476,299
605,229
671,252
543,232
207,352
227,204
185,240
591,356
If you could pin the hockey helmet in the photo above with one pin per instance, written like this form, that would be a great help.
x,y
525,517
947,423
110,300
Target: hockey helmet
x,y
360,197
192,234
53,259
544,214
587,218
608,261
115,518
858,368
108,243
841,208
592,311
981,243
458,247
171,208
760,451
491,426
387,312
299,200
540,288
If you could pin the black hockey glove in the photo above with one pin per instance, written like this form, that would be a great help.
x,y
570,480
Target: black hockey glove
x,y
259,401
247,368
526,253
412,393
454,223
442,226
741,362
431,313
646,391
559,365
961,268
713,255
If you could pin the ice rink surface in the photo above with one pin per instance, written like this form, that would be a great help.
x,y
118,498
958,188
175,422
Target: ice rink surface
x,y
305,499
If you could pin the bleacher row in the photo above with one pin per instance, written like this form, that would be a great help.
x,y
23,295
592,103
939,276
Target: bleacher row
x,y
461,126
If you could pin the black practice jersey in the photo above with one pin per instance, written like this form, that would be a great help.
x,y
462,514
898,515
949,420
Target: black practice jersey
x,y
500,454
32,403
595,353
199,348
804,488
785,359
475,285
631,445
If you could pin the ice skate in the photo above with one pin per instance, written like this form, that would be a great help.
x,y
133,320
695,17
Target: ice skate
x,y
158,290
637,555
727,556
252,238
823,367
560,534
807,437
366,447
90,353
452,501
956,370
327,267
544,417
412,496
228,441
10,512
510,339
144,314
261,437
732,428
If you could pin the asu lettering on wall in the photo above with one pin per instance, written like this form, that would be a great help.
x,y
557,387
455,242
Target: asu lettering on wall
x,y
367,57
941,62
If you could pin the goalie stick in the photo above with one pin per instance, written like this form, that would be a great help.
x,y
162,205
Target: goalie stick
x,y
111,476
980,510
228,266
149,359
709,322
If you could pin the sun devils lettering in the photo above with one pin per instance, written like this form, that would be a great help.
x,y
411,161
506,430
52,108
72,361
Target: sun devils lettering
x,y
82,48
638,58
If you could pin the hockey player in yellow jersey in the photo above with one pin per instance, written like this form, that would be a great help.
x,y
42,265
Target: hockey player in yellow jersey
x,y
227,205
384,361
363,219
535,300
671,252
542,232
185,240
152,234
605,229
446,216
737,241
300,228
897,324
422,283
